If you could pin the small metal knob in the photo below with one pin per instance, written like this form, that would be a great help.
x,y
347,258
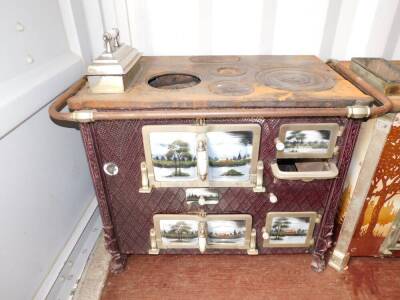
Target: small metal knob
x,y
110,169
265,235
280,146
273,198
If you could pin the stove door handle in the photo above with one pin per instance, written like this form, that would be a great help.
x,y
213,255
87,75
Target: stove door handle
x,y
202,236
202,156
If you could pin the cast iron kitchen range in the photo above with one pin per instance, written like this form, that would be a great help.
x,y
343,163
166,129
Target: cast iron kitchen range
x,y
218,154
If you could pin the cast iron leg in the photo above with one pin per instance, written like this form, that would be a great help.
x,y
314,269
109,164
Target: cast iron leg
x,y
118,259
118,262
318,263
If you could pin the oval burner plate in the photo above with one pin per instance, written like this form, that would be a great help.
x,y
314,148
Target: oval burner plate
x,y
292,79
230,88
230,71
214,59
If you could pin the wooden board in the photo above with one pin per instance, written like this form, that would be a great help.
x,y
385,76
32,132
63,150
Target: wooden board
x,y
141,95
237,277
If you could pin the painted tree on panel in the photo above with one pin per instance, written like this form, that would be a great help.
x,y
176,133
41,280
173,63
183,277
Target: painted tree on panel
x,y
178,151
386,182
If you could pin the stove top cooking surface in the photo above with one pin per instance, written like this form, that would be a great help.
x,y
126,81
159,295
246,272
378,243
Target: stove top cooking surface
x,y
228,81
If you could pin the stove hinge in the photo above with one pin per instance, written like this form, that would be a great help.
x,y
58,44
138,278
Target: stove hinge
x,y
201,121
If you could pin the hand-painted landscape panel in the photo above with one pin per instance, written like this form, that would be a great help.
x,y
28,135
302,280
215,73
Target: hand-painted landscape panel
x,y
307,141
226,232
289,230
179,231
229,155
174,155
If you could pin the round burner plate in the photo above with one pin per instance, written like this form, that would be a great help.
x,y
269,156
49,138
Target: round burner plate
x,y
292,79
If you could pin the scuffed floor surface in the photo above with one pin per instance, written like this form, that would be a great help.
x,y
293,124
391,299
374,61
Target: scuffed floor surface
x,y
243,277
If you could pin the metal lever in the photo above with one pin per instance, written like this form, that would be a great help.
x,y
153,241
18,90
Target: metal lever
x,y
202,157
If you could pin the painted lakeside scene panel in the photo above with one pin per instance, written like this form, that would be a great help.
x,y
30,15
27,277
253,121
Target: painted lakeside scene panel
x,y
174,156
307,141
289,230
179,232
230,155
226,232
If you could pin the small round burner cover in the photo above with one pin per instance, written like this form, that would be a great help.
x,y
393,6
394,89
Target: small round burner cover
x,y
230,88
230,71
295,79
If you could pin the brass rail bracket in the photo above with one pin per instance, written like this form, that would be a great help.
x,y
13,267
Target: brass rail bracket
x,y
83,116
358,111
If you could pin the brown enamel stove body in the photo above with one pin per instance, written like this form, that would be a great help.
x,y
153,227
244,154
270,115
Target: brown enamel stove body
x,y
240,82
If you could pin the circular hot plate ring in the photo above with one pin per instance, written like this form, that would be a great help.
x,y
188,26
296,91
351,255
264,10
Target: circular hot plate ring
x,y
295,79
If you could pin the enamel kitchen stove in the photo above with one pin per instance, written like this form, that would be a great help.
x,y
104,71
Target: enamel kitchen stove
x,y
219,154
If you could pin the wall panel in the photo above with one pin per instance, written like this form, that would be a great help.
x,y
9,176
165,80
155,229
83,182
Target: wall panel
x,y
327,28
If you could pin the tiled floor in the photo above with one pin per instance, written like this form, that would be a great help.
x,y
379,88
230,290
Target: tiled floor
x,y
244,277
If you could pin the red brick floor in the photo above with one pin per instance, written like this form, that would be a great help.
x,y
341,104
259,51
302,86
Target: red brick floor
x,y
251,277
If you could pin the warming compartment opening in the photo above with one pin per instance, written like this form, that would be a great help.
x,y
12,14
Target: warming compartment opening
x,y
304,169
